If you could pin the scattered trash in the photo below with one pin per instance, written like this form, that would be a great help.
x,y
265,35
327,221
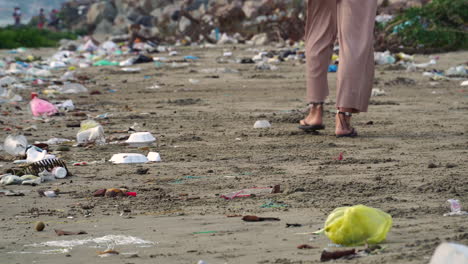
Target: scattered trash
x,y
252,192
117,240
41,107
333,68
378,92
455,208
128,158
107,253
357,225
90,132
131,69
327,255
15,145
450,253
340,157
50,194
262,124
154,157
293,225
72,88
305,246
140,139
253,218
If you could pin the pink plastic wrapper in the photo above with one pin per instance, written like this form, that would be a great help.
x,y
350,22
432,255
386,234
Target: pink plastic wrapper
x,y
41,107
247,192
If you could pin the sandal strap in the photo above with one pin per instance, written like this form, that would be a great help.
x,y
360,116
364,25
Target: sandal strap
x,y
344,113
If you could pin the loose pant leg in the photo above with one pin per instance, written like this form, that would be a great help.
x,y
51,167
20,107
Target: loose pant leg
x,y
356,19
320,35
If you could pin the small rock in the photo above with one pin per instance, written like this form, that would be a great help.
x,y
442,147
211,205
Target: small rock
x,y
432,166
39,226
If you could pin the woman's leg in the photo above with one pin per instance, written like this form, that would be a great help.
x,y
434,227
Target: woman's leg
x,y
356,19
320,35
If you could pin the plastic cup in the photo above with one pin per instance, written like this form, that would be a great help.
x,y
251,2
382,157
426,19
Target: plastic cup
x,y
59,172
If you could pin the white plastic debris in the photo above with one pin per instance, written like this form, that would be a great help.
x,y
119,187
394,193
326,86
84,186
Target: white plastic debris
x,y
91,132
450,253
455,208
50,194
384,18
67,76
382,58
59,172
118,240
465,83
194,81
66,105
10,179
378,92
33,154
265,66
15,145
72,88
55,141
128,158
457,71
8,80
262,124
140,139
154,157
131,69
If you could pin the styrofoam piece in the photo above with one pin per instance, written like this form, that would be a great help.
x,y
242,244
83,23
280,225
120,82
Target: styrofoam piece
x,y
154,157
262,124
128,158
140,139
465,83
450,253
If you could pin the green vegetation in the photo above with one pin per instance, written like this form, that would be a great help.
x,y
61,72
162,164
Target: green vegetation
x,y
31,37
440,25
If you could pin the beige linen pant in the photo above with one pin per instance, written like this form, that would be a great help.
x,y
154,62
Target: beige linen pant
x,y
352,21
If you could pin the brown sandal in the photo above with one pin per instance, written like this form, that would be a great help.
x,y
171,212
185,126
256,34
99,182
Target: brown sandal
x,y
353,132
312,127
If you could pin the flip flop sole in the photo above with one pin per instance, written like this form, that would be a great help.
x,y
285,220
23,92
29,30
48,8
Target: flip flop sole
x,y
312,128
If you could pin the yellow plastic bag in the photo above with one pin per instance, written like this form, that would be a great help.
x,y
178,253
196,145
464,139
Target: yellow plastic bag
x,y
357,225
